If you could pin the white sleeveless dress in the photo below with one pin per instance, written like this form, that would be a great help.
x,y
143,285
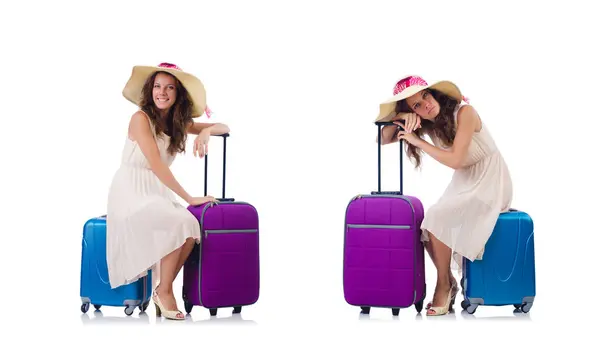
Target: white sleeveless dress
x,y
466,213
144,220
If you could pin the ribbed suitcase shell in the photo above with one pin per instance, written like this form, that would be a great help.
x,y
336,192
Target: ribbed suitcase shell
x,y
224,269
383,255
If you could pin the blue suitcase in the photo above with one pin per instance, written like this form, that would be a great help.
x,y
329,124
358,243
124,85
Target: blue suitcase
x,y
506,273
94,286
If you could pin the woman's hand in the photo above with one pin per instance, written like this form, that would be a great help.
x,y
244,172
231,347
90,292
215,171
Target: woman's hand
x,y
409,137
196,201
412,121
201,143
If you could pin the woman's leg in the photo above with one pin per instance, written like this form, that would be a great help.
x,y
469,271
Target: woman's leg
x,y
164,291
186,249
429,248
441,258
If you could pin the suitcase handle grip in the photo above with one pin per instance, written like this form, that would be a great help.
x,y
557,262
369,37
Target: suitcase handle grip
x,y
380,126
395,193
225,136
222,135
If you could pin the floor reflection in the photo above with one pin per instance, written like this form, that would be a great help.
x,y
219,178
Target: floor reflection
x,y
97,317
368,317
233,319
516,315
452,315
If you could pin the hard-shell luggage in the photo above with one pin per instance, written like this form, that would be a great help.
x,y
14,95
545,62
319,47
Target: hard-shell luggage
x,y
224,269
94,285
506,273
384,264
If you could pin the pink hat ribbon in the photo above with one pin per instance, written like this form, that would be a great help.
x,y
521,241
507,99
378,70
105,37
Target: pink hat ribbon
x,y
167,65
411,81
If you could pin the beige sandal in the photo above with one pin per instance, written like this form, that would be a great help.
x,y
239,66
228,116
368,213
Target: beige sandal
x,y
454,290
169,314
433,311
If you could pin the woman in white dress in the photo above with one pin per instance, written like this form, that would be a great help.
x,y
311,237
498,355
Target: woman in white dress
x,y
147,229
460,223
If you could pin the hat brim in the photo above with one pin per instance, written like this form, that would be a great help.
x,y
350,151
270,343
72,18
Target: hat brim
x,y
388,107
193,85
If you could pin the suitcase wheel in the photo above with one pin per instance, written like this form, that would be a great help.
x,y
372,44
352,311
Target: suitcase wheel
x,y
97,306
129,309
525,307
188,307
471,308
468,306
395,311
85,307
213,312
143,306
464,304
365,310
237,310
419,306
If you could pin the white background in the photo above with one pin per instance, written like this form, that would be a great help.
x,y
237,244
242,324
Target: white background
x,y
299,84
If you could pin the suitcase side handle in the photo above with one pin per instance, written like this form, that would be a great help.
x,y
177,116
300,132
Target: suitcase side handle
x,y
380,126
223,198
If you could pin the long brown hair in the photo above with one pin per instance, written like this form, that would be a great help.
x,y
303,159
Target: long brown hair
x,y
178,118
442,127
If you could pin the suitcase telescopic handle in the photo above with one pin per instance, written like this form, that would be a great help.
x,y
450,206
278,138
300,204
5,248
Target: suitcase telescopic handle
x,y
380,126
223,198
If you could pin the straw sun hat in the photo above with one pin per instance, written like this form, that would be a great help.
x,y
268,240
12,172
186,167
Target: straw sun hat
x,y
195,88
411,85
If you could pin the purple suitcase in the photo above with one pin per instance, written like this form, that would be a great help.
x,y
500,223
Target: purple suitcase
x,y
384,259
223,270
